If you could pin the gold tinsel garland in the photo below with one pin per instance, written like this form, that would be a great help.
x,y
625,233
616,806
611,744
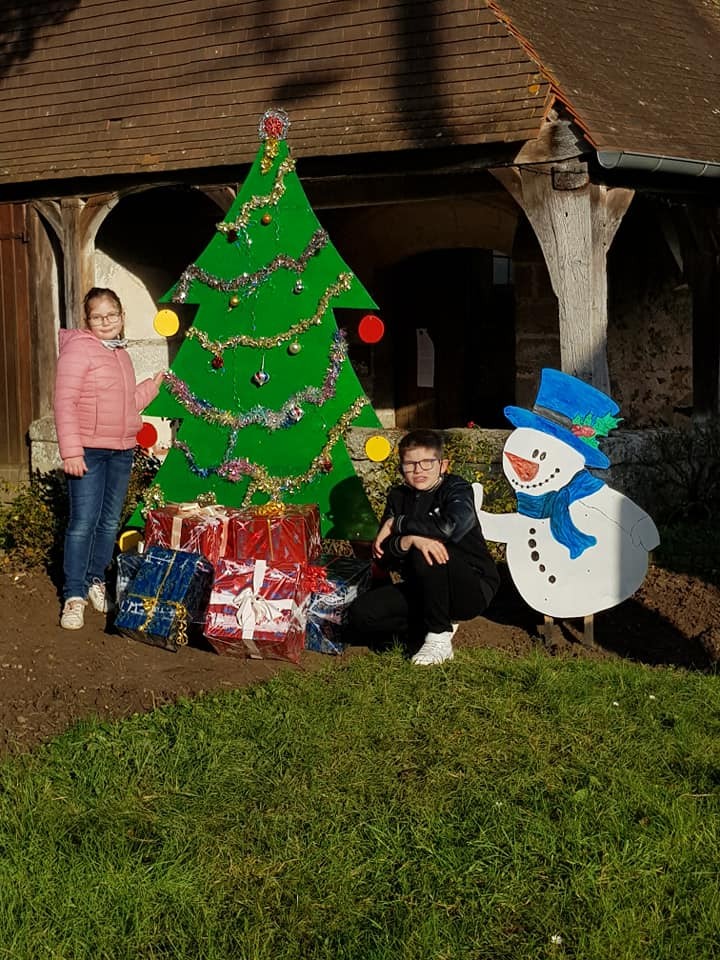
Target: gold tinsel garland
x,y
262,481
274,487
217,347
256,203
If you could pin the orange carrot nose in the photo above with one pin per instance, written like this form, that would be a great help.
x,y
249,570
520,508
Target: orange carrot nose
x,y
525,469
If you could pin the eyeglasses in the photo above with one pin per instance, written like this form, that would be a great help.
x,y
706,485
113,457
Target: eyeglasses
x,y
410,466
97,318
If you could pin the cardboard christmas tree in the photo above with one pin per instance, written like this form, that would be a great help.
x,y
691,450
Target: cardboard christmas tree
x,y
262,385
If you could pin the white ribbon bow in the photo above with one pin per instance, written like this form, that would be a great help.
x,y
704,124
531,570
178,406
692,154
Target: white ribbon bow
x,y
253,609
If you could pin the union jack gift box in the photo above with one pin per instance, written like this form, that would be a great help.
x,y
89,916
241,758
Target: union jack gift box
x,y
334,585
257,609
166,598
190,527
277,533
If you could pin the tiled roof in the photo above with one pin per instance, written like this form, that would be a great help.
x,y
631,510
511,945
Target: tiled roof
x,y
93,87
640,76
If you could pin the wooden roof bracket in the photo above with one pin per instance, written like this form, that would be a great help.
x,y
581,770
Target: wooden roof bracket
x,y
575,222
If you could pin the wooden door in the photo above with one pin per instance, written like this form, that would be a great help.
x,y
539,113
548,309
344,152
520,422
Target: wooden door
x,y
16,389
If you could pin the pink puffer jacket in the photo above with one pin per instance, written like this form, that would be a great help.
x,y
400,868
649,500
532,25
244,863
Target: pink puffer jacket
x,y
97,402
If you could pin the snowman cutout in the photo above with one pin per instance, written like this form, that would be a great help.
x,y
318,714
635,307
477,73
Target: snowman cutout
x,y
575,546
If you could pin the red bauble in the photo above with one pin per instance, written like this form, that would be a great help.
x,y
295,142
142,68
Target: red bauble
x,y
217,363
146,436
326,465
371,329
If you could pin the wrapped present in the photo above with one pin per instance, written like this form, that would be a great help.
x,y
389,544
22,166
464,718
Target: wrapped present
x,y
257,609
333,586
127,565
276,533
190,527
166,598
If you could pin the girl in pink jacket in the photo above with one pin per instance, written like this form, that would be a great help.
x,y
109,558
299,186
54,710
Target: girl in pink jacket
x,y
97,416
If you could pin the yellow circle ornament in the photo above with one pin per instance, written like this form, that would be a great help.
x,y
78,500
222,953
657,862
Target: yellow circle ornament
x,y
378,449
166,323
128,540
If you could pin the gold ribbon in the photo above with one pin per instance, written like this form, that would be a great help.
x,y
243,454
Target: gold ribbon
x,y
150,606
181,614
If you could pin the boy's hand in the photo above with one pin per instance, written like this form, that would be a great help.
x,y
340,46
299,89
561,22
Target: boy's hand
x,y
383,533
434,551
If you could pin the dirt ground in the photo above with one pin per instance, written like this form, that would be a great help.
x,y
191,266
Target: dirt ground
x,y
51,677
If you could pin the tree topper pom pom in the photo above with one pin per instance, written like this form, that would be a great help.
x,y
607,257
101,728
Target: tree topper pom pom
x,y
273,125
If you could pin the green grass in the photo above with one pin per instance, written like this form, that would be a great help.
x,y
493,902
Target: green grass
x,y
479,810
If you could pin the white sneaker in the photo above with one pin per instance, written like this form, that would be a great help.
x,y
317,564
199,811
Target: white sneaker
x,y
97,595
73,614
436,649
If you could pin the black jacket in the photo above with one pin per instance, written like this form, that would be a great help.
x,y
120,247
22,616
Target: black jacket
x,y
446,513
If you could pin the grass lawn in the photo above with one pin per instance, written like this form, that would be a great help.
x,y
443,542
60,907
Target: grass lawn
x,y
492,808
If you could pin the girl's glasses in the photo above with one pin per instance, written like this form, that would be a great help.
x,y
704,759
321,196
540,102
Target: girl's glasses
x,y
410,466
98,318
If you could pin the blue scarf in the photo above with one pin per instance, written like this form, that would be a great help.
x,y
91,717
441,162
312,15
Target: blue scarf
x,y
556,506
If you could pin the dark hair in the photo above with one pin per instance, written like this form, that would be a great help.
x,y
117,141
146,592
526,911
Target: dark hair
x,y
95,292
431,439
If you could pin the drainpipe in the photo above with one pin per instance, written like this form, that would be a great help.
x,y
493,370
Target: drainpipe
x,y
646,163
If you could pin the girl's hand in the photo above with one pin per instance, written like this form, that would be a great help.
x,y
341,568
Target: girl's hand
x,y
75,466
383,533
158,378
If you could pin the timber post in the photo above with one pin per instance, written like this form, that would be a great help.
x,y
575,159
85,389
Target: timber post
x,y
575,222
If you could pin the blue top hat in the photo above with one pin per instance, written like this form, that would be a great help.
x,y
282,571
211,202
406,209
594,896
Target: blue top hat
x,y
571,410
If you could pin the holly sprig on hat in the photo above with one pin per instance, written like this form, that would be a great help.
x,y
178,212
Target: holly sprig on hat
x,y
590,428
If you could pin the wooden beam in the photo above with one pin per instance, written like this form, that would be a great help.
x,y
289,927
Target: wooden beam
x,y
575,222
699,232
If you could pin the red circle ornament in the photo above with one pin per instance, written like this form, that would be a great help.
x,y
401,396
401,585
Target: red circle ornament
x,y
217,363
371,329
146,436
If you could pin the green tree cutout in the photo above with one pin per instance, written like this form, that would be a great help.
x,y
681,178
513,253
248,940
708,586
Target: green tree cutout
x,y
261,383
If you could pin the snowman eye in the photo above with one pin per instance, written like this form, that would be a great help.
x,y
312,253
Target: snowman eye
x,y
543,455
535,453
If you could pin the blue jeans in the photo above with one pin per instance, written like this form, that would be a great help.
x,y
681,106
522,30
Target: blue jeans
x,y
96,502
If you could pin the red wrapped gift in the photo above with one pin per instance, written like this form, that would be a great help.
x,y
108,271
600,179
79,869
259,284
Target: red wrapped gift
x,y
278,533
258,610
189,527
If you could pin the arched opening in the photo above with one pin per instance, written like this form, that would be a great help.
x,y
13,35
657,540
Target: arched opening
x,y
145,243
450,314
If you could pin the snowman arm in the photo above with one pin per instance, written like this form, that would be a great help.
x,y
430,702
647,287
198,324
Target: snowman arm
x,y
627,515
495,526
644,533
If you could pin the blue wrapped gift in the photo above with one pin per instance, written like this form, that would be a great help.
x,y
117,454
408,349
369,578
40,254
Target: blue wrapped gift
x,y
340,581
127,565
166,598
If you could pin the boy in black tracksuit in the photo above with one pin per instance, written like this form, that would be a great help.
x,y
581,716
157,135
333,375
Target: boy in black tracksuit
x,y
430,531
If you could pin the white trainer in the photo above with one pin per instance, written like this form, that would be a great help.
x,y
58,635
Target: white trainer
x,y
73,614
436,649
97,595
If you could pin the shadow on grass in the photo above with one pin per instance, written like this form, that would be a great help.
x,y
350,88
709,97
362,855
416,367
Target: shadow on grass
x,y
631,630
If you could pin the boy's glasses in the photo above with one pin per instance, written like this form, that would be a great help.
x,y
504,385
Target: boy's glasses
x,y
98,318
410,466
